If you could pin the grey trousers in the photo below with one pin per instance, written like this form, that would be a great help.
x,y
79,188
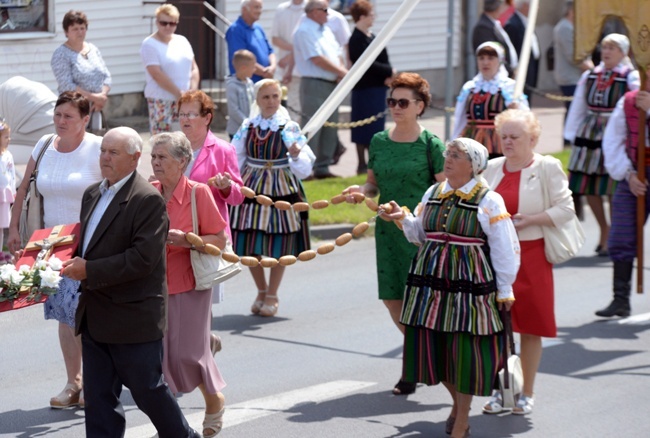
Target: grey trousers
x,y
313,92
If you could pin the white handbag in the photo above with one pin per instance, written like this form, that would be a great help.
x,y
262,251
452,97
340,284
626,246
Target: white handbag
x,y
511,377
563,242
210,270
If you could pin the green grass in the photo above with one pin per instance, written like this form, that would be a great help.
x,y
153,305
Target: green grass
x,y
353,214
563,157
326,189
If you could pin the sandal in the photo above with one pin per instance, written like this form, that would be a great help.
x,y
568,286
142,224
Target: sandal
x,y
524,405
214,423
67,398
449,424
215,343
495,404
257,304
404,388
270,309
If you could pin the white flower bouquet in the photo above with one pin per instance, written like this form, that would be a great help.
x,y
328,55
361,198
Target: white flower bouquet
x,y
41,279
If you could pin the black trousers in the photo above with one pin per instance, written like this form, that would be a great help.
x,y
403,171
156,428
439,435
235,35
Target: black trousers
x,y
106,367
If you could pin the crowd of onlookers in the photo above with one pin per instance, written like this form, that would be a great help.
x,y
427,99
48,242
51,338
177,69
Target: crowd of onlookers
x,y
128,306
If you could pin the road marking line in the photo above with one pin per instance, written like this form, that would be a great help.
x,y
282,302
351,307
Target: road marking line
x,y
262,407
636,319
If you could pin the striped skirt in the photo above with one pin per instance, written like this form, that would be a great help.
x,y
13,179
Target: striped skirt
x,y
264,230
470,363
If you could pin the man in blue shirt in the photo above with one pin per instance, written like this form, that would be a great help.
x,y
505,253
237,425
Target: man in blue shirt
x,y
246,34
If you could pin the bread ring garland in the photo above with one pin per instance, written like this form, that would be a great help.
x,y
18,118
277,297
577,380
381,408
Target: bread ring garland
x,y
298,207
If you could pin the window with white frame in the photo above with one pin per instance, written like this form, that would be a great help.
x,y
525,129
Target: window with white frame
x,y
23,16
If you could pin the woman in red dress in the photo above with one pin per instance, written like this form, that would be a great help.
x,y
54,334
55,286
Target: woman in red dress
x,y
521,177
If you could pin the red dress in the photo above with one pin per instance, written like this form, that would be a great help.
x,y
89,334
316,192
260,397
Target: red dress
x,y
533,312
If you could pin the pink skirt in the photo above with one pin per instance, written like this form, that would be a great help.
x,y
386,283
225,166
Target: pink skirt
x,y
187,359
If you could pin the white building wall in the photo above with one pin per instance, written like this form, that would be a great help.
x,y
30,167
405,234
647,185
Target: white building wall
x,y
116,27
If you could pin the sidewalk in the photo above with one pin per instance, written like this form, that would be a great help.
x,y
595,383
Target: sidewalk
x,y
550,114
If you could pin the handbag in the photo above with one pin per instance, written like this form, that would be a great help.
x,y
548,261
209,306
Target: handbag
x,y
562,242
511,377
97,123
210,270
31,216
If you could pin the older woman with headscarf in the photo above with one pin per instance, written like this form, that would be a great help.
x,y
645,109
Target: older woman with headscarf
x,y
460,278
522,177
273,157
593,102
188,361
490,92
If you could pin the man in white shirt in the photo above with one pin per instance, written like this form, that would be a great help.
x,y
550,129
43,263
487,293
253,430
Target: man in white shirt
x,y
318,58
287,16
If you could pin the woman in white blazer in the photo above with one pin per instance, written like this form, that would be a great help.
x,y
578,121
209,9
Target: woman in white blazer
x,y
521,176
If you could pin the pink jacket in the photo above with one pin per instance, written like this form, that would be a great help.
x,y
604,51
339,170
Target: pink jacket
x,y
218,156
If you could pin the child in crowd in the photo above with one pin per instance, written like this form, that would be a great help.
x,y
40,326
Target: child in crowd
x,y
239,90
7,179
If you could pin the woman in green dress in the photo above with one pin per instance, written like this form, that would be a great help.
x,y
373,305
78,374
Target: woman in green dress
x,y
404,161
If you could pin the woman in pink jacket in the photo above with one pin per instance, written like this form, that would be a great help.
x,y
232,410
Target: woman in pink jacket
x,y
212,157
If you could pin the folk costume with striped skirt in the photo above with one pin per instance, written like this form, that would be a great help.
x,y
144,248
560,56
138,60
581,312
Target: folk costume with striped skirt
x,y
267,169
594,100
478,103
454,331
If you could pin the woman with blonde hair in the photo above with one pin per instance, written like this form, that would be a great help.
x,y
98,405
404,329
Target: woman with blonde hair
x,y
273,157
170,69
522,177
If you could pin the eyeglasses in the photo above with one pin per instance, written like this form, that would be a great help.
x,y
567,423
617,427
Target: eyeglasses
x,y
454,155
190,116
168,23
402,103
322,9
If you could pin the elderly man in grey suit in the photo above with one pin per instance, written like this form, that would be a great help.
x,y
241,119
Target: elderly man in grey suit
x,y
121,315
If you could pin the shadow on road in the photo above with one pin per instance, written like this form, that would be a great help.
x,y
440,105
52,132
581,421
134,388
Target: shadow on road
x,y
570,358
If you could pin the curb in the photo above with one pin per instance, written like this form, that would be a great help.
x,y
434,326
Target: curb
x,y
330,232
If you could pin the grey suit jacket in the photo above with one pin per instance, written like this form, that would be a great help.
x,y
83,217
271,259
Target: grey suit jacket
x,y
123,299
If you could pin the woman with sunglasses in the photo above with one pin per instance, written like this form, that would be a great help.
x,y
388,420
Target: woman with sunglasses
x,y
404,161
170,69
482,98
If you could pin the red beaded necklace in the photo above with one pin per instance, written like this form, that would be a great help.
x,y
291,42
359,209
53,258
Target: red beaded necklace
x,y
602,85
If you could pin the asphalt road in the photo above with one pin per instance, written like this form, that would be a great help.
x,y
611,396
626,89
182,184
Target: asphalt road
x,y
325,365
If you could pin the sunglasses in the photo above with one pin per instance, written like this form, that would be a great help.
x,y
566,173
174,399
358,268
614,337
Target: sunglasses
x,y
402,103
168,23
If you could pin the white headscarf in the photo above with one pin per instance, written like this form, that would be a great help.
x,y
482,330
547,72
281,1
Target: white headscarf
x,y
478,155
255,109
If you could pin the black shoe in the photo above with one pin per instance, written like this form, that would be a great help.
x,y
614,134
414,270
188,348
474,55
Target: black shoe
x,y
324,175
340,150
404,388
615,308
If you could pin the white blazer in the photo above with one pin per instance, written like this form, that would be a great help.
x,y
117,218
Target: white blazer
x,y
531,197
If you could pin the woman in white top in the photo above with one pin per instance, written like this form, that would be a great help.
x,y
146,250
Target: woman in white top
x,y
69,165
170,70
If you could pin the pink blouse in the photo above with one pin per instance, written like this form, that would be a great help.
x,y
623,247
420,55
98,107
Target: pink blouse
x,y
218,156
180,277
